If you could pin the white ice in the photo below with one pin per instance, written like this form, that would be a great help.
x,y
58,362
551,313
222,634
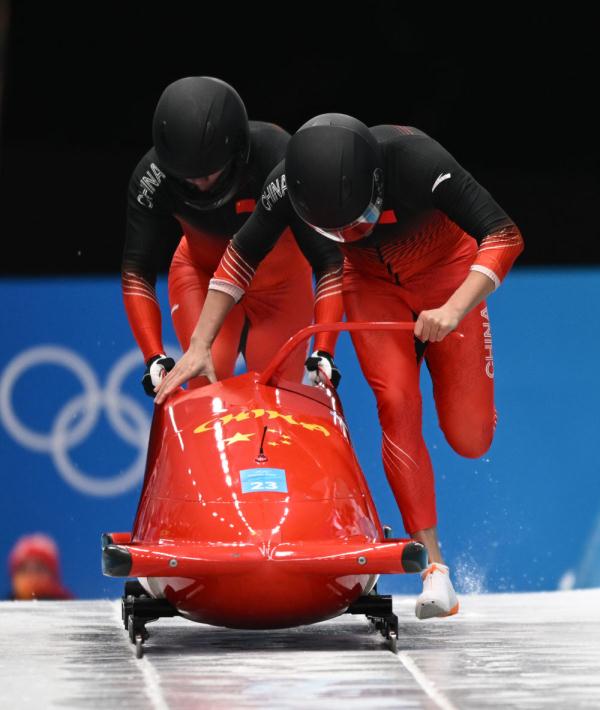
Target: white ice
x,y
500,651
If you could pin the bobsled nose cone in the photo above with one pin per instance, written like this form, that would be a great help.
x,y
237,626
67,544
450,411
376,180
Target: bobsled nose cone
x,y
266,541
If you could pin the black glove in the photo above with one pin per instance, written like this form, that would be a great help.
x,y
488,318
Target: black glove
x,y
323,360
156,369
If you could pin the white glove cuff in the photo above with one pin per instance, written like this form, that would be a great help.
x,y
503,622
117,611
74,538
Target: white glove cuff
x,y
157,371
324,365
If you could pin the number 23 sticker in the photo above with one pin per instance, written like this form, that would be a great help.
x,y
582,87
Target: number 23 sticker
x,y
263,480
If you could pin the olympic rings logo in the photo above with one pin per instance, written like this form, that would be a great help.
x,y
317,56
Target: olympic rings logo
x,y
78,417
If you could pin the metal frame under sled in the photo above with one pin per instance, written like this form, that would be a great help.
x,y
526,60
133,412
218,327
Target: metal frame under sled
x,y
378,610
139,609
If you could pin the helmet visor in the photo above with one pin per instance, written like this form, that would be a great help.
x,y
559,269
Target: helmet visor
x,y
365,223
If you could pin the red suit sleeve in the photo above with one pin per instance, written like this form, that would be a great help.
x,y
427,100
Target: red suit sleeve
x,y
329,306
497,253
143,313
233,274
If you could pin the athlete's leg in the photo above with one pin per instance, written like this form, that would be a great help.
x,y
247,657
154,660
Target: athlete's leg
x,y
462,371
187,292
274,316
389,363
461,365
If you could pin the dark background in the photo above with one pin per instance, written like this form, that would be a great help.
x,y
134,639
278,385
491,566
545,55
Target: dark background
x,y
514,99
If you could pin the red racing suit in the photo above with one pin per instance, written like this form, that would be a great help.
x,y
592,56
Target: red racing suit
x,y
437,223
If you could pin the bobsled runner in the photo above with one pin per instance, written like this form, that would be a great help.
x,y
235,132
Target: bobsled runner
x,y
254,512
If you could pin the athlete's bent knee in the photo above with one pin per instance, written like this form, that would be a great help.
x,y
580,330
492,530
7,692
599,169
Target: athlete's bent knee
x,y
470,442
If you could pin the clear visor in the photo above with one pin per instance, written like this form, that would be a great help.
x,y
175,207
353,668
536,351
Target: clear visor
x,y
363,225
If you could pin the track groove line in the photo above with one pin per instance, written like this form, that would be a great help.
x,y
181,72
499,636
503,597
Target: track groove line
x,y
423,681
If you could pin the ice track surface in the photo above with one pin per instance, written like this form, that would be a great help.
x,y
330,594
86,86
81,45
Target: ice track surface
x,y
501,651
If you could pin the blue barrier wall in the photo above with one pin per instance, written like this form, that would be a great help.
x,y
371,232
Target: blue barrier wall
x,y
524,517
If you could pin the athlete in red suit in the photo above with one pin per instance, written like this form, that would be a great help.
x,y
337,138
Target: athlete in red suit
x,y
188,195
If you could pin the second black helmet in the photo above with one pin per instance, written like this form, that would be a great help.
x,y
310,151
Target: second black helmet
x,y
200,126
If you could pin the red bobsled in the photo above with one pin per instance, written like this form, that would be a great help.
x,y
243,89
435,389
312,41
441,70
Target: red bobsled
x,y
254,512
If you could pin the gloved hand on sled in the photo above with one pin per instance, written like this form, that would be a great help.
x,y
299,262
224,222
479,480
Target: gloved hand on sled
x,y
322,362
156,368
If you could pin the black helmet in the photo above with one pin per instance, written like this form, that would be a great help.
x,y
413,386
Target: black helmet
x,y
200,126
334,176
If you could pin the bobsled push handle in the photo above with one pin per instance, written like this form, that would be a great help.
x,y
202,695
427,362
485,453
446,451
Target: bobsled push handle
x,y
272,369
